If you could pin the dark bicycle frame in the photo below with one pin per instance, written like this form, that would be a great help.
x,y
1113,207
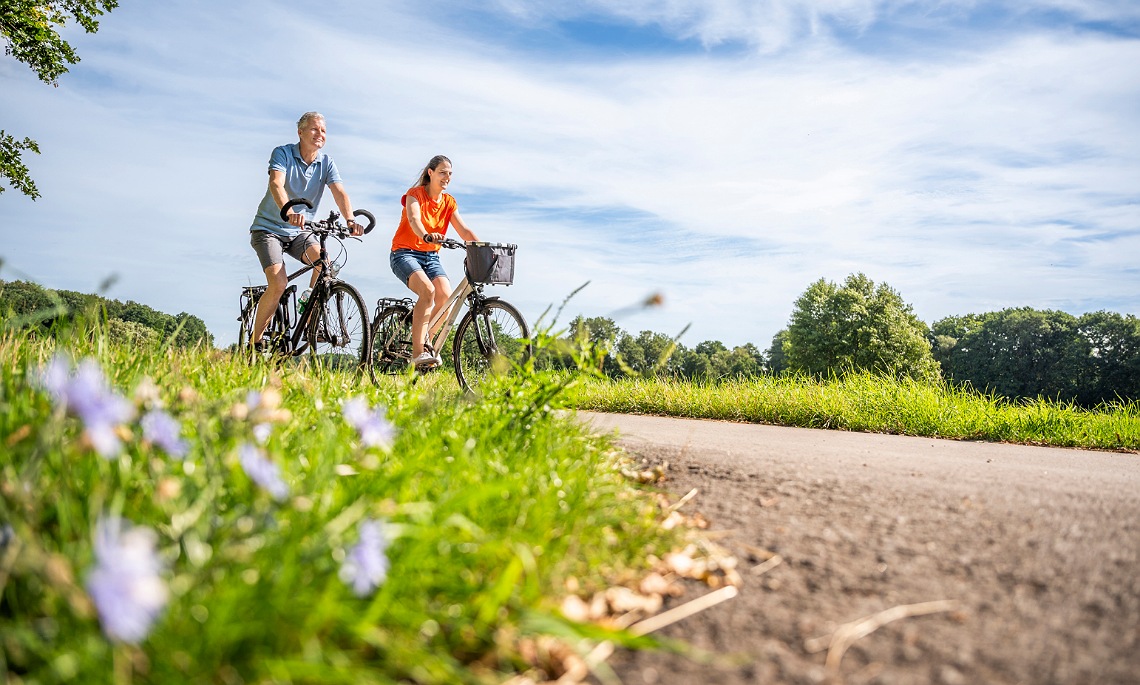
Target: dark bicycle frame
x,y
294,342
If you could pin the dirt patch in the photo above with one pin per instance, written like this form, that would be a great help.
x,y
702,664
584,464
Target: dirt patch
x,y
1040,564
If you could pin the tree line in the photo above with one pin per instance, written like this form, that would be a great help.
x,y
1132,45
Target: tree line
x,y
862,326
32,304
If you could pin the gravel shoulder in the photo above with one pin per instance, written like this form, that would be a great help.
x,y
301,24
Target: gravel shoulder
x,y
1037,549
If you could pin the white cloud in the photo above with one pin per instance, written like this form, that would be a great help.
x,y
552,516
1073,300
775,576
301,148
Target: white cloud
x,y
988,178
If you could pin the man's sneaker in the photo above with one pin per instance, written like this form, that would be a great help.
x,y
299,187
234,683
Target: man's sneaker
x,y
262,346
427,360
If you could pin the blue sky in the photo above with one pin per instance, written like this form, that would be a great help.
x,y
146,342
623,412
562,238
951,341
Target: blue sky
x,y
725,153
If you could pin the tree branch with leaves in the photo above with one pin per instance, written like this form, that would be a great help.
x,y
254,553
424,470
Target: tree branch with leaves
x,y
30,32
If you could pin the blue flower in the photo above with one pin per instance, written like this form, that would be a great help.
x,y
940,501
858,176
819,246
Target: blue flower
x,y
161,429
373,426
261,432
125,585
263,471
366,565
86,394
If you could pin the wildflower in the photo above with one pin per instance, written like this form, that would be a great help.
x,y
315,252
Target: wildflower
x,y
125,584
161,429
373,426
263,471
85,393
261,432
366,565
147,393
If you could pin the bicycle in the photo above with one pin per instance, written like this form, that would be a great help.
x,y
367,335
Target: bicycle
x,y
332,325
491,337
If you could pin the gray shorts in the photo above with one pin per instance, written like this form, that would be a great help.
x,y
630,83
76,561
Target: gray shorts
x,y
271,247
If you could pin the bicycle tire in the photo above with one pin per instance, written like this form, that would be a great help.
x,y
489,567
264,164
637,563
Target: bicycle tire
x,y
339,333
245,328
494,338
391,341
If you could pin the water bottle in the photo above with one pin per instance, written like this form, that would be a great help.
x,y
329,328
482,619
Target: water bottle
x,y
303,300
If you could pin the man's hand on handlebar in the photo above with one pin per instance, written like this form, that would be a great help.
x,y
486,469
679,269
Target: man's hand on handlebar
x,y
297,219
357,229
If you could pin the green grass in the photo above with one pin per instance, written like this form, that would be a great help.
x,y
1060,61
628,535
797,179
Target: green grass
x,y
864,402
494,508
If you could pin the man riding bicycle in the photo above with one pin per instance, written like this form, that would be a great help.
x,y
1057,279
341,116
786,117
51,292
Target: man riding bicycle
x,y
296,170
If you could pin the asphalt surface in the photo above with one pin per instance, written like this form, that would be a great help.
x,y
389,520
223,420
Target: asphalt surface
x,y
1037,549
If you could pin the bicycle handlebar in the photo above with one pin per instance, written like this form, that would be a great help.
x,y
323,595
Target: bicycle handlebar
x,y
329,224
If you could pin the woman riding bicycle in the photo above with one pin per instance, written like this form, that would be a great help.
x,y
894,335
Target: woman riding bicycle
x,y
428,211
298,170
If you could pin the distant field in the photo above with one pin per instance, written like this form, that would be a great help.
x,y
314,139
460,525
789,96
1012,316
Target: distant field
x,y
863,402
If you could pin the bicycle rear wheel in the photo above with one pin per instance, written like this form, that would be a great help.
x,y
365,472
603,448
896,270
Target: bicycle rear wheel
x,y
338,333
391,341
275,328
492,339
245,328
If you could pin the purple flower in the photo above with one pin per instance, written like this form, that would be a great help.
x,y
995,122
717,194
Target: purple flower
x,y
366,565
125,585
86,394
263,471
161,429
261,432
373,426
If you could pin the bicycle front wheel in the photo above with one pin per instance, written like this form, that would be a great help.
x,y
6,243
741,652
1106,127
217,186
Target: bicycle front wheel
x,y
491,339
391,341
338,332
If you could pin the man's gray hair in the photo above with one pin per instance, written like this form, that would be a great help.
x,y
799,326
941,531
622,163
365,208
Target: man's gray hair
x,y
308,117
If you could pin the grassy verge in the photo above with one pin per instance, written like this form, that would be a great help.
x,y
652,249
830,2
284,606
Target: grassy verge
x,y
862,402
419,538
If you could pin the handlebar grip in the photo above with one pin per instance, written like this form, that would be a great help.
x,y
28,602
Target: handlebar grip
x,y
371,219
291,204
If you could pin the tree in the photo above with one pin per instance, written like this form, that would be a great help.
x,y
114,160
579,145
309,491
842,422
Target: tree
x,y
776,355
648,354
599,332
1113,365
857,327
1019,353
30,35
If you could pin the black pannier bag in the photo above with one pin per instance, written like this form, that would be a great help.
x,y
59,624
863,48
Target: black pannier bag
x,y
491,263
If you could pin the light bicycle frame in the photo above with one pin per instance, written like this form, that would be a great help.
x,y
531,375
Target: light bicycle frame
x,y
446,318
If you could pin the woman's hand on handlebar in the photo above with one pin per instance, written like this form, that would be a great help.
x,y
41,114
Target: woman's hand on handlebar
x,y
434,238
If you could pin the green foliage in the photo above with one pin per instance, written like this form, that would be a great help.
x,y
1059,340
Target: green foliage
x,y
777,359
862,401
857,327
1112,369
23,303
12,165
122,332
1027,353
30,32
493,509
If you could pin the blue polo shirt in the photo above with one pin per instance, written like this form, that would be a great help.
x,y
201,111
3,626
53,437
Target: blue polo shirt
x,y
301,180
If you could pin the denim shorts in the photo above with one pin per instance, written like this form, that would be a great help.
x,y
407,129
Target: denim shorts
x,y
406,262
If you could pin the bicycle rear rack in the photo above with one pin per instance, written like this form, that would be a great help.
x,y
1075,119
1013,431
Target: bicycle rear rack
x,y
385,302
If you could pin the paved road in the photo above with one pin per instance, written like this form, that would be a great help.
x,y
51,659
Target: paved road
x,y
1039,546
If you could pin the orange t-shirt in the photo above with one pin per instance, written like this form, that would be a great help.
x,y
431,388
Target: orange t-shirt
x,y
435,215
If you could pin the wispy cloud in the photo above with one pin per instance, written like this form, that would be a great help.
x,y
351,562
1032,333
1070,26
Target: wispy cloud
x,y
799,140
